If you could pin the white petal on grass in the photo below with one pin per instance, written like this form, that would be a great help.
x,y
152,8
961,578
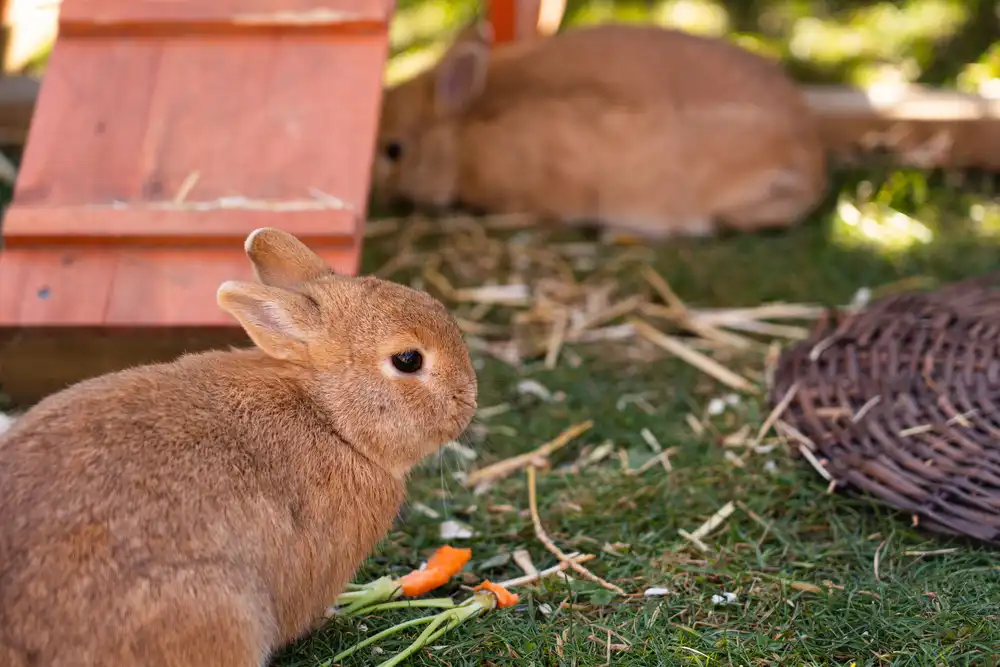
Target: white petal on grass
x,y
453,530
716,407
861,298
725,598
466,453
425,510
534,388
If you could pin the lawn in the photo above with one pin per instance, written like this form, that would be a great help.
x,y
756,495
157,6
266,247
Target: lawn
x,y
814,578
818,578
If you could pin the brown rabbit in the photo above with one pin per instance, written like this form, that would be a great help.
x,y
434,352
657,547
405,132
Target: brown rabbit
x,y
207,511
639,129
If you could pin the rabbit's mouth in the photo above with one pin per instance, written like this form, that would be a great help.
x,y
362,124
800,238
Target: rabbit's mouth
x,y
406,205
396,205
435,209
466,412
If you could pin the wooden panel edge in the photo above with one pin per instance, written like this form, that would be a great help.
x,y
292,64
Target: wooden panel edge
x,y
909,103
187,17
287,12
180,224
168,286
361,26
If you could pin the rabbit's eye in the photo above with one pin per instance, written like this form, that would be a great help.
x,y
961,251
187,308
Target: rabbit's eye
x,y
408,362
393,150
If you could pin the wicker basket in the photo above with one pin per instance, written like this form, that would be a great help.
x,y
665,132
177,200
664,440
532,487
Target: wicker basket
x,y
902,400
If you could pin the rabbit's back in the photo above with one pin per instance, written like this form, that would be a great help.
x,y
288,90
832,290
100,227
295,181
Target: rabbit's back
x,y
647,130
174,497
635,65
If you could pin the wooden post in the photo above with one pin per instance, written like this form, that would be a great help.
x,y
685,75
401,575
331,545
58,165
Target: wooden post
x,y
523,19
503,18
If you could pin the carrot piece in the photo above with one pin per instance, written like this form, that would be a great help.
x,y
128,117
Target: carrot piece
x,y
504,597
419,582
443,564
449,559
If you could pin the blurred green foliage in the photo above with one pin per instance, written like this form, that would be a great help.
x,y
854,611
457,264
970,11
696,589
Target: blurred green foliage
x,y
940,42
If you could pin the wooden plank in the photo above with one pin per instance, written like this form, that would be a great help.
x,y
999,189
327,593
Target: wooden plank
x,y
127,16
13,285
89,155
919,127
74,285
911,103
178,285
186,115
223,223
323,144
503,19
137,287
150,158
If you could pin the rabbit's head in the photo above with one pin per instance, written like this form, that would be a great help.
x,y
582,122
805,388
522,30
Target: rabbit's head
x,y
417,153
386,364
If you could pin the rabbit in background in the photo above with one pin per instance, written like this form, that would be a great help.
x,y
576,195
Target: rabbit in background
x,y
208,510
640,130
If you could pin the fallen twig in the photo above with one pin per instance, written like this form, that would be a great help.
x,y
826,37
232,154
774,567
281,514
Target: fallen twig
x,y
547,572
776,413
544,538
697,359
711,524
507,467
663,458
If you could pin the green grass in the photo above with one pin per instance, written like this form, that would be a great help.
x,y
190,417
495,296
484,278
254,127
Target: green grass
x,y
919,610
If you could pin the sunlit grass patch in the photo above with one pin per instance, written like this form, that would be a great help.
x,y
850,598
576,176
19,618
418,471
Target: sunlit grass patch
x,y
877,224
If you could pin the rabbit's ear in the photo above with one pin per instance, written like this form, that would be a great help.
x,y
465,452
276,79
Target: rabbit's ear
x,y
278,321
281,260
461,74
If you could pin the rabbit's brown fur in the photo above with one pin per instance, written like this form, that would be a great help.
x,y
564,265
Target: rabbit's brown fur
x,y
641,129
207,511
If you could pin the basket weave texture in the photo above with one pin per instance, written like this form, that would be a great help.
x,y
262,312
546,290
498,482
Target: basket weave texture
x,y
902,400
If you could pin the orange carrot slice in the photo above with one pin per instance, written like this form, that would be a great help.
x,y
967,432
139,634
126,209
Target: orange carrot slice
x,y
419,582
504,597
449,559
443,565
